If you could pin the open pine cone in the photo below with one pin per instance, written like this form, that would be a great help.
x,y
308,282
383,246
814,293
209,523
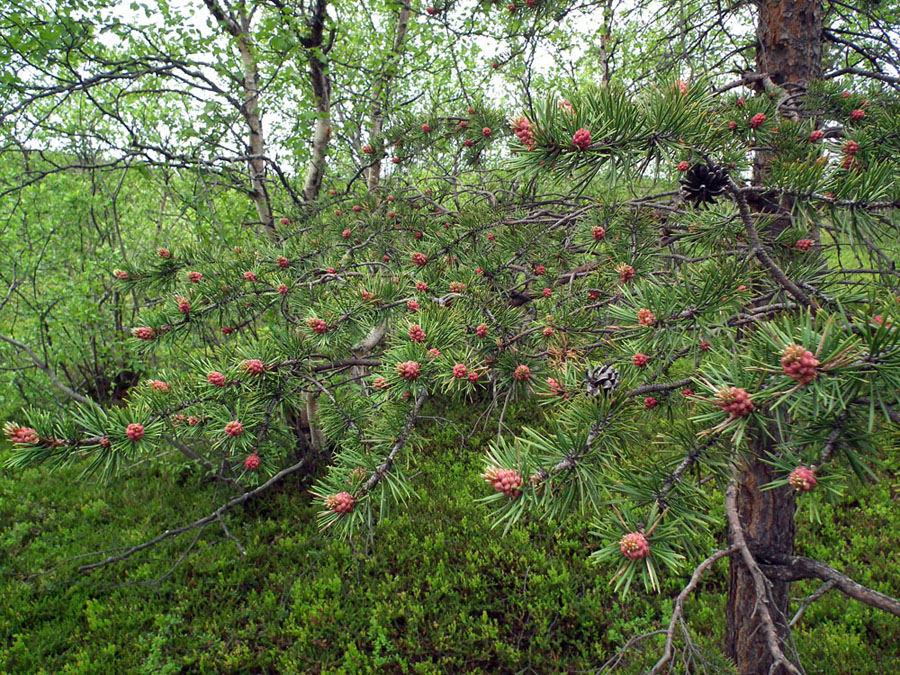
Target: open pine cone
x,y
601,380
703,183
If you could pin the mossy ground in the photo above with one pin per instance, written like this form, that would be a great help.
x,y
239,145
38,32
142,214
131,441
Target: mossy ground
x,y
434,590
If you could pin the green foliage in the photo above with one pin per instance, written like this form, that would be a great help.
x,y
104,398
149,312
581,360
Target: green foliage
x,y
437,589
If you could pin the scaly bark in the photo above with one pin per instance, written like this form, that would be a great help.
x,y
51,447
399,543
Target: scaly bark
x,y
789,51
767,518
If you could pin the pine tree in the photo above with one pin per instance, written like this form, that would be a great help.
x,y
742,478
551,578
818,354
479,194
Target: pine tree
x,y
696,281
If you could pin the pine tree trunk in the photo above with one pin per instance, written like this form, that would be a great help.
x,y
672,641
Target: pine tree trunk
x,y
768,521
789,52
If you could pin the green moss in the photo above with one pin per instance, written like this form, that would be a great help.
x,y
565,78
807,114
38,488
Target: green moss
x,y
434,590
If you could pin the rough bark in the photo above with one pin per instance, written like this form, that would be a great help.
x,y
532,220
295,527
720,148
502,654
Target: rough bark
x,y
381,87
789,55
789,42
789,51
767,518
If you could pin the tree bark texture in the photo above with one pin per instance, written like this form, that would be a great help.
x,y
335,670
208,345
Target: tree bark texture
x,y
789,51
767,518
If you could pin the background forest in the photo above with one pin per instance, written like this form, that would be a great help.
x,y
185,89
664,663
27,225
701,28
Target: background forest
x,y
541,336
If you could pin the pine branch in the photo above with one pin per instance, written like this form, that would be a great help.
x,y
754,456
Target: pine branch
x,y
795,568
736,532
383,468
678,612
759,250
809,600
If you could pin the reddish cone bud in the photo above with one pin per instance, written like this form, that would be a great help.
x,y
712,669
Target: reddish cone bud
x,y
409,370
317,326
634,546
215,378
234,428
253,366
20,435
143,333
507,481
582,139
625,272
802,479
735,401
342,503
799,364
159,385
645,317
135,432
